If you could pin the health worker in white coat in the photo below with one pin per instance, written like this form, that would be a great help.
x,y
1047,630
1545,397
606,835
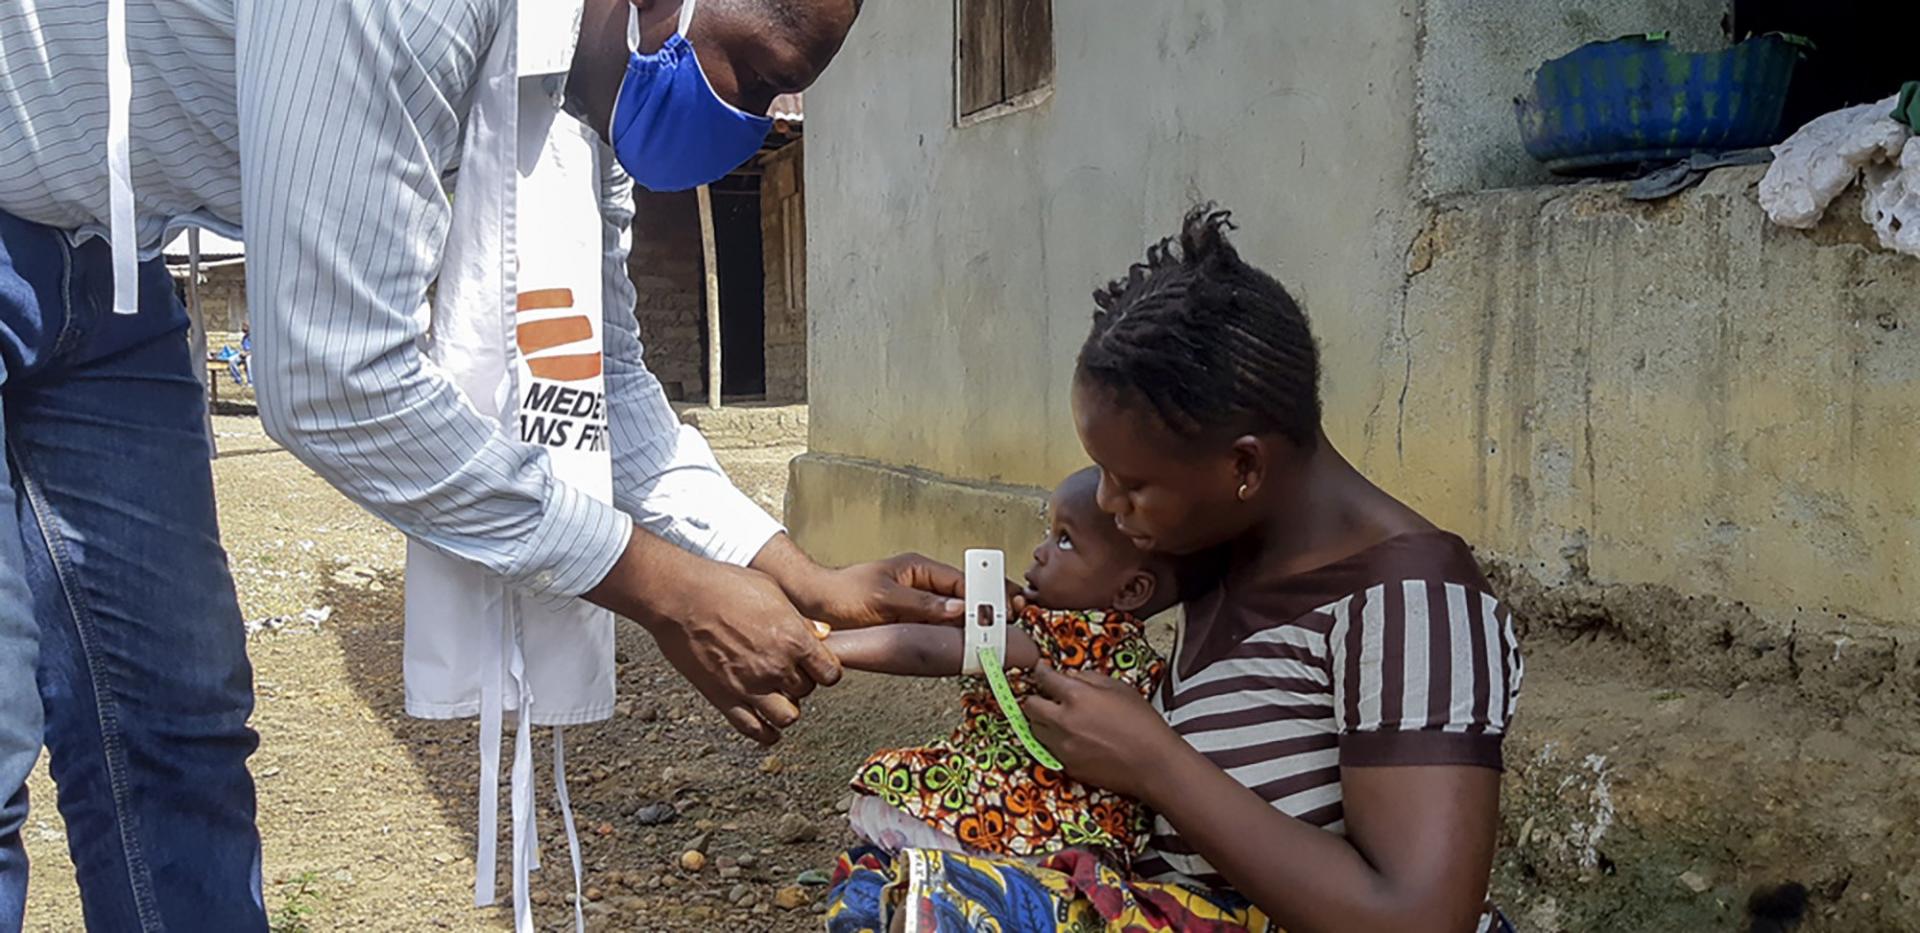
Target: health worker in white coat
x,y
327,134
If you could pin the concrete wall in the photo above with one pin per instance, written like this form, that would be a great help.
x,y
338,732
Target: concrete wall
x,y
957,263
668,273
1477,55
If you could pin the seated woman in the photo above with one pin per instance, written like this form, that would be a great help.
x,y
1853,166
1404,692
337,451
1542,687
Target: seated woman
x,y
1324,754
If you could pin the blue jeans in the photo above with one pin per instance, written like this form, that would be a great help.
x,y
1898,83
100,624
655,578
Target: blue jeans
x,y
117,611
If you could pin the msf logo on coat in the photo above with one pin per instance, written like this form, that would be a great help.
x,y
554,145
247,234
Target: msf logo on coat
x,y
564,407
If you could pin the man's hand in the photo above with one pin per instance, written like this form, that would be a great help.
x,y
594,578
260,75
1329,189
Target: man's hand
x,y
906,588
740,643
731,632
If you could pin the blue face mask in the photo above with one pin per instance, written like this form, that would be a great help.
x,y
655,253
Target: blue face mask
x,y
671,132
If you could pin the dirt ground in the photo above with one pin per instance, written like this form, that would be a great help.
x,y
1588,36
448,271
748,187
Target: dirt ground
x,y
1635,802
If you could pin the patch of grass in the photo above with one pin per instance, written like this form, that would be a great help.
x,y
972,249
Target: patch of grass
x,y
300,903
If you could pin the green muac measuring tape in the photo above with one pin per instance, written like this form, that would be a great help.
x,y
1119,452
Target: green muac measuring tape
x,y
1009,705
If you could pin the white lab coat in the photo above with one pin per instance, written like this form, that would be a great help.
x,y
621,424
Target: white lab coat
x,y
517,326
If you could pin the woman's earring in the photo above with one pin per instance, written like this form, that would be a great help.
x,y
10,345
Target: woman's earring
x,y
1242,494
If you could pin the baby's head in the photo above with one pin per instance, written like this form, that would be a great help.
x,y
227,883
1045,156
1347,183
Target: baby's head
x,y
1087,563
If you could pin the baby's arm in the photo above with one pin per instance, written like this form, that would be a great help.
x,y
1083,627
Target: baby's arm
x,y
920,650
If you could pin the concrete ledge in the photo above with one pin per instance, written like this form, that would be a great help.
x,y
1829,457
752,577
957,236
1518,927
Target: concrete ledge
x,y
844,510
1674,753
747,426
1678,395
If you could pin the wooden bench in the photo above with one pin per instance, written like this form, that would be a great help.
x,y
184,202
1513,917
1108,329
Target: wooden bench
x,y
219,368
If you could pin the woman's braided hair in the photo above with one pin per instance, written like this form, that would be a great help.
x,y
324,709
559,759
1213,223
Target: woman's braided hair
x,y
1211,343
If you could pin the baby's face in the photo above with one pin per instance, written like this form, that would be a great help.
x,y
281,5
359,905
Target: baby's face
x,y
1085,560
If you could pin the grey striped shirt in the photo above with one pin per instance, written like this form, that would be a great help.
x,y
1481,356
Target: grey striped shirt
x,y
1397,655
333,127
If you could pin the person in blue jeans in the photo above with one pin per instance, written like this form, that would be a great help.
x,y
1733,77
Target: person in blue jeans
x,y
332,129
145,708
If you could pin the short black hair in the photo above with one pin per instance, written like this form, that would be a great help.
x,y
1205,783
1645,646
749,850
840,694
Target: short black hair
x,y
1211,343
787,12
783,12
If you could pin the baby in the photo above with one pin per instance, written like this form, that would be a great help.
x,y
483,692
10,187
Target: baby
x,y
979,790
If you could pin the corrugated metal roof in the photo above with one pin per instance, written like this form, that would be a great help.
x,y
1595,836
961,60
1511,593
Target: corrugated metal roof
x,y
212,246
789,107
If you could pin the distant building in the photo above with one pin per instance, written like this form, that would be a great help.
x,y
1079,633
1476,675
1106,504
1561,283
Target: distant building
x,y
760,233
223,278
760,228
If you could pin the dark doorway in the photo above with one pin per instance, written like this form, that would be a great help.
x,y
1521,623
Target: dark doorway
x,y
736,225
1863,50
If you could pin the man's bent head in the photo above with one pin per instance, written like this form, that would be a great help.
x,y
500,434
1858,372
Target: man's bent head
x,y
750,50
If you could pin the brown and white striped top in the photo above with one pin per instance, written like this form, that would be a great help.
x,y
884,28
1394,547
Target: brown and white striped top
x,y
1398,655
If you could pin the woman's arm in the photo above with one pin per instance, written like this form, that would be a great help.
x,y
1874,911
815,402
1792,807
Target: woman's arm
x,y
1419,841
1418,850
920,650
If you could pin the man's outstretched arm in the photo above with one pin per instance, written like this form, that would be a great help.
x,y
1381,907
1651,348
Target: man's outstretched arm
x,y
341,171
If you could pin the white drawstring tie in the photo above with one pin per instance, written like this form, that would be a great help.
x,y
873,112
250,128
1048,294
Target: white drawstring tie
x,y
123,235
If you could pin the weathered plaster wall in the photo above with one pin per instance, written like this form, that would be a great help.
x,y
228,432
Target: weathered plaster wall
x,y
1677,395
1680,395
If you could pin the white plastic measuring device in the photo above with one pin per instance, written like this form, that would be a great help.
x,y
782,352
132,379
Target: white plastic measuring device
x,y
986,608
987,643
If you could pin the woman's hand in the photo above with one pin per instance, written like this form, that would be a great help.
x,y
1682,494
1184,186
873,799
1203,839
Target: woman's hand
x,y
1100,729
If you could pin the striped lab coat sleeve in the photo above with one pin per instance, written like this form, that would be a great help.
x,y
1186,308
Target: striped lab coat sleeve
x,y
664,474
344,136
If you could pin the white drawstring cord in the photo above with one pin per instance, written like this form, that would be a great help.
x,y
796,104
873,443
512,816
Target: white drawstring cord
x,y
123,234
566,817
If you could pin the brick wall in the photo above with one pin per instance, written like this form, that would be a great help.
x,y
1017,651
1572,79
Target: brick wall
x,y
783,228
667,276
223,294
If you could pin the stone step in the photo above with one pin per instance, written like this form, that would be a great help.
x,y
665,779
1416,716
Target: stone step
x,y
748,425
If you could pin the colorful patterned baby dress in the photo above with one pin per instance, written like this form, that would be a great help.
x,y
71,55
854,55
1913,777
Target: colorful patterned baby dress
x,y
980,786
